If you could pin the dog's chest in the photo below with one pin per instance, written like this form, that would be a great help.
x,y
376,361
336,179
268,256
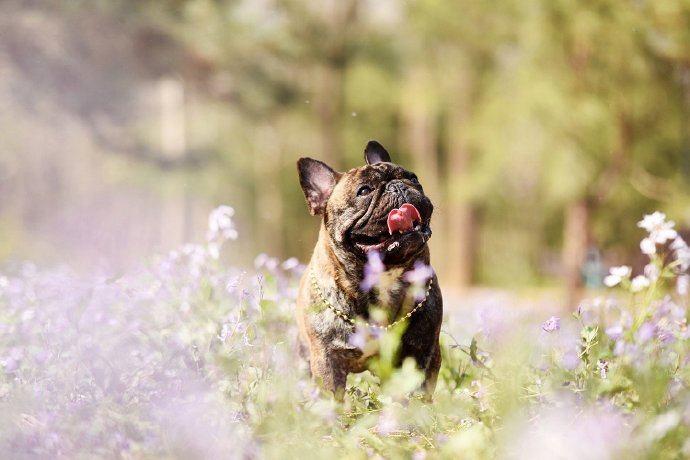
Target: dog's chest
x,y
389,287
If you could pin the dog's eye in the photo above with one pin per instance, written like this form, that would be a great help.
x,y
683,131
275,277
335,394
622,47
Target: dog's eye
x,y
414,179
364,190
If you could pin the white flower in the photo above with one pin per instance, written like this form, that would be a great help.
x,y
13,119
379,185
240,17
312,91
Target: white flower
x,y
260,260
196,257
682,252
660,231
290,263
611,280
264,261
623,271
651,221
220,224
271,264
28,315
678,243
648,246
684,258
683,285
639,282
651,271
617,274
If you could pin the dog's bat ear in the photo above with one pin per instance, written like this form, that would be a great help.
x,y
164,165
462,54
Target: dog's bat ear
x,y
375,153
317,180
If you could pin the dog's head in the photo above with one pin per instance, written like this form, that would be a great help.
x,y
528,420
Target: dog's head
x,y
380,206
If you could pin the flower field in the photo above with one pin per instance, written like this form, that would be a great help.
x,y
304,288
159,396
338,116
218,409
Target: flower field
x,y
187,357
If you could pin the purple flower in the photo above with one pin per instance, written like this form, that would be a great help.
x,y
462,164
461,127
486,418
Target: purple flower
x,y
372,270
264,261
290,264
308,390
358,339
570,360
420,274
419,455
567,430
615,332
603,367
387,423
363,336
621,348
629,353
668,310
587,311
645,332
441,439
552,324
665,335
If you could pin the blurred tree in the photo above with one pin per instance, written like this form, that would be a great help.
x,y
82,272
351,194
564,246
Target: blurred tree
x,y
616,113
273,62
543,126
556,123
453,50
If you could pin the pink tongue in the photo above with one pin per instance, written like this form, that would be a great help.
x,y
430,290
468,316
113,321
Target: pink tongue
x,y
403,219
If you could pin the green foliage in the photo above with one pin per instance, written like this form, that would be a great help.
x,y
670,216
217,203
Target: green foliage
x,y
187,359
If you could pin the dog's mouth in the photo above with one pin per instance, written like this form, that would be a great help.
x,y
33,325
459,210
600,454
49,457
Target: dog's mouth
x,y
405,227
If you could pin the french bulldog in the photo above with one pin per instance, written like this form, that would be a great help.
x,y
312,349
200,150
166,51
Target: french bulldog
x,y
378,207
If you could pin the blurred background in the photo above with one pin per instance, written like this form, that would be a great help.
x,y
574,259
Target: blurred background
x,y
542,130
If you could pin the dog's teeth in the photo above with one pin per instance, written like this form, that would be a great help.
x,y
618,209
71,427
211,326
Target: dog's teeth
x,y
392,246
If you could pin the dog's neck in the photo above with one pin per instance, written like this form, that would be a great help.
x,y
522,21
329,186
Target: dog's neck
x,y
345,286
345,271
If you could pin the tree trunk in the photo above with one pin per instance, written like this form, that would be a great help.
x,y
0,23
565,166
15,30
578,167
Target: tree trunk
x,y
173,150
268,166
173,126
461,216
575,243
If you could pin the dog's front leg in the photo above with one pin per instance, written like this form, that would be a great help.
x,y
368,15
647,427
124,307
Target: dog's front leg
x,y
431,371
329,370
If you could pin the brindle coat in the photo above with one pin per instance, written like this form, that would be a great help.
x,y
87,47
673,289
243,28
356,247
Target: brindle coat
x,y
338,264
